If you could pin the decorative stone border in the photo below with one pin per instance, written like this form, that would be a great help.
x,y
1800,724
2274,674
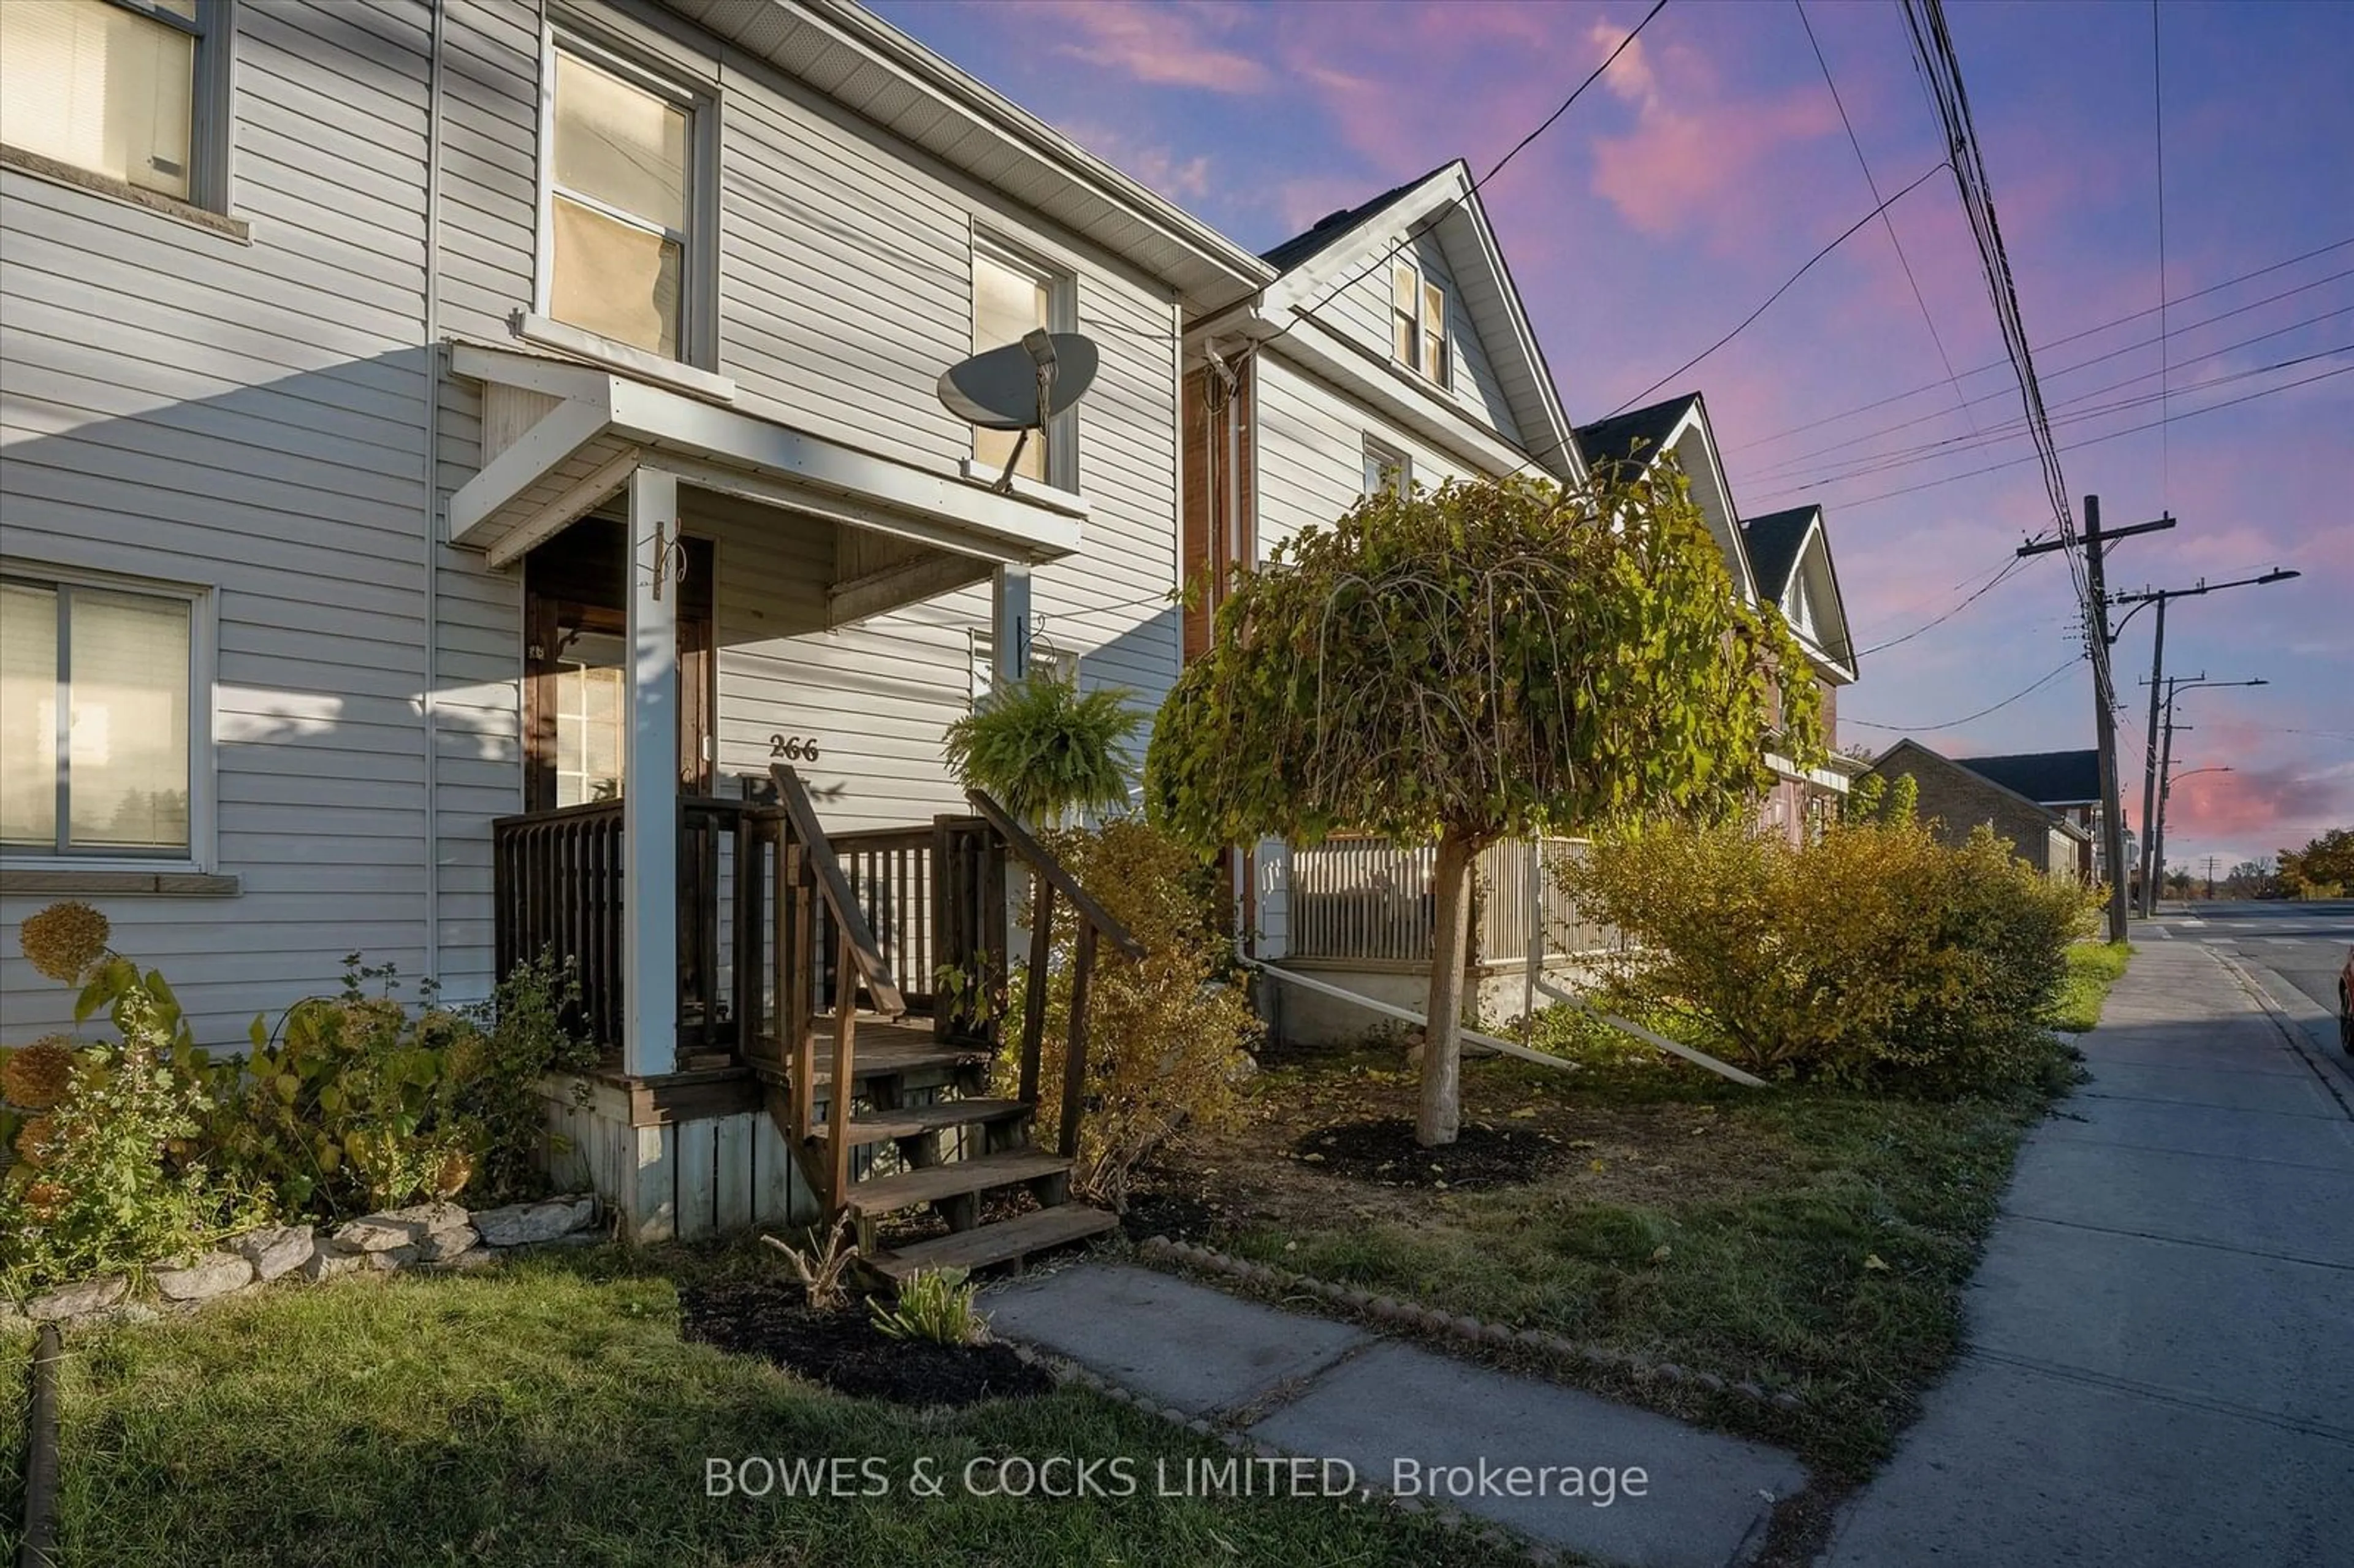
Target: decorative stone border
x,y
1064,1371
1390,1311
440,1236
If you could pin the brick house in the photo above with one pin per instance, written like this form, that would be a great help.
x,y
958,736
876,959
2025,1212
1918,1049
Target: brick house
x,y
1955,799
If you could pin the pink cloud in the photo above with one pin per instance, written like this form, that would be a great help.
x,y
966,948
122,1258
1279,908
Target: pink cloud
x,y
1679,169
1158,167
1168,46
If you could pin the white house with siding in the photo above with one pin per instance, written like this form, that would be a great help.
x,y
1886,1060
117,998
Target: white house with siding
x,y
430,420
1393,350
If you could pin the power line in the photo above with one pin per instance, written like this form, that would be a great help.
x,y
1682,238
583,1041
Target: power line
x,y
2158,107
2008,567
2093,441
1873,186
2055,342
1783,465
2071,662
1778,293
1432,220
2073,412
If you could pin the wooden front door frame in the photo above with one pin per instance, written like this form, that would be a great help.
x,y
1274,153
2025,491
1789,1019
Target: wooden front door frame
x,y
576,578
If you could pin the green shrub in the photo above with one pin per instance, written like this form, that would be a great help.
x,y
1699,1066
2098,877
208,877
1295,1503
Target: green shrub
x,y
1167,1044
1875,954
355,1104
935,1305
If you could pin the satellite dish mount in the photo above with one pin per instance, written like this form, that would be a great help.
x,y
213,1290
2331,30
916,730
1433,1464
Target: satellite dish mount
x,y
1021,387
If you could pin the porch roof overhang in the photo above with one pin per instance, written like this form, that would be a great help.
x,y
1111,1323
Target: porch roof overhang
x,y
560,437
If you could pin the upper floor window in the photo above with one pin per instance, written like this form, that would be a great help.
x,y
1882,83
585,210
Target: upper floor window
x,y
1418,323
619,245
126,89
97,711
1388,469
1012,296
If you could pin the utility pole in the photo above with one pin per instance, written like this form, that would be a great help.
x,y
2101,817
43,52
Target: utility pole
x,y
2175,685
2152,771
2210,877
2105,717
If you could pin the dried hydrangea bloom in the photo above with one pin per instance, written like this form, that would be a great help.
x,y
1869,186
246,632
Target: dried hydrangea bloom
x,y
44,1200
36,1077
457,1168
34,1141
63,940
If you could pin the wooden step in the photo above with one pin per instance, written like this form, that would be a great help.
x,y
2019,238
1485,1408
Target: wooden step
x,y
957,1178
881,1050
914,1120
1004,1242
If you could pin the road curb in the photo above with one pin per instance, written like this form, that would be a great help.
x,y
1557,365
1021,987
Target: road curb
x,y
2310,1030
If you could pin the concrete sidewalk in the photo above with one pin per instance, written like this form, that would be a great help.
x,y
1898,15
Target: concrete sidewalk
x,y
1323,1390
2161,1358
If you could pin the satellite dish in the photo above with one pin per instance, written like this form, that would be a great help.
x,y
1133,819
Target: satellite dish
x,y
1004,389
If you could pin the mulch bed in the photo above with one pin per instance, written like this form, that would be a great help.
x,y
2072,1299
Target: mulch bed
x,y
844,1351
1385,1151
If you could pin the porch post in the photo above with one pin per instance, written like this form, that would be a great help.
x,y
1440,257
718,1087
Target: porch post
x,y
1009,629
650,783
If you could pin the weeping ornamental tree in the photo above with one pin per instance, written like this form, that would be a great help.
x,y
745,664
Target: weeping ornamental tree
x,y
1488,659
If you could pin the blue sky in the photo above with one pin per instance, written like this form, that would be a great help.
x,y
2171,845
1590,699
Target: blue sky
x,y
1711,163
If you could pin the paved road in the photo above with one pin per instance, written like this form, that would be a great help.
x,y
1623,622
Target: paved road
x,y
2300,945
2160,1339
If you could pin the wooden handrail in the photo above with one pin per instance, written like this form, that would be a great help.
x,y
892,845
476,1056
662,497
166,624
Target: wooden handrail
x,y
1044,863
858,937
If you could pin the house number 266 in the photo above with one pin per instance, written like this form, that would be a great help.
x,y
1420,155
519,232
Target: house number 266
x,y
793,748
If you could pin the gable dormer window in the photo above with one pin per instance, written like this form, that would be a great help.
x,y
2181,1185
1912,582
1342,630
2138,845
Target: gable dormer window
x,y
1418,323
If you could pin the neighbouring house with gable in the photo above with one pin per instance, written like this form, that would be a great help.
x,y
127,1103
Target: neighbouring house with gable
x,y
1956,799
2067,782
1783,560
455,447
1392,350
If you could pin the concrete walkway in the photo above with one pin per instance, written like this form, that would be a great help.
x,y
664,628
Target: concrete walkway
x,y
2160,1361
1324,1390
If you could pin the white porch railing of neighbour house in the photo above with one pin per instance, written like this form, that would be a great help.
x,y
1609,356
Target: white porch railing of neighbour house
x,y
1370,899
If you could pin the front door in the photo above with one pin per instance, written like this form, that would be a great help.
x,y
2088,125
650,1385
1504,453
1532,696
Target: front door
x,y
576,670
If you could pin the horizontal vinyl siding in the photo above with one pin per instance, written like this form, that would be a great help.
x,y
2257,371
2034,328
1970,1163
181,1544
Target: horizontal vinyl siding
x,y
249,418
1310,470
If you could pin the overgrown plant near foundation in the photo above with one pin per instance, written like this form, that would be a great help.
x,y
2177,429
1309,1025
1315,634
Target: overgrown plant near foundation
x,y
356,1103
125,1150
1168,1043
109,1169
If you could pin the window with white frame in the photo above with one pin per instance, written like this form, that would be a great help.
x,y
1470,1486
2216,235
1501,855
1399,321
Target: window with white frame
x,y
1418,323
1010,296
619,252
98,720
131,90
1387,468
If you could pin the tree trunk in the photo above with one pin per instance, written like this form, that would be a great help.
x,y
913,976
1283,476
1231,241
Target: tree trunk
x,y
1441,1114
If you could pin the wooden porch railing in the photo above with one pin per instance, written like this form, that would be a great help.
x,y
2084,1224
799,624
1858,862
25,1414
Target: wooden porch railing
x,y
786,931
1048,878
557,887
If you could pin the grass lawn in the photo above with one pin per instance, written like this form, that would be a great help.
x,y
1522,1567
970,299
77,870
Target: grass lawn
x,y
2093,968
15,1362
1805,1238
549,1413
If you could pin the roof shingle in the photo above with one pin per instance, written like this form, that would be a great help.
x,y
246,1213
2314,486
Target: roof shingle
x,y
2048,777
